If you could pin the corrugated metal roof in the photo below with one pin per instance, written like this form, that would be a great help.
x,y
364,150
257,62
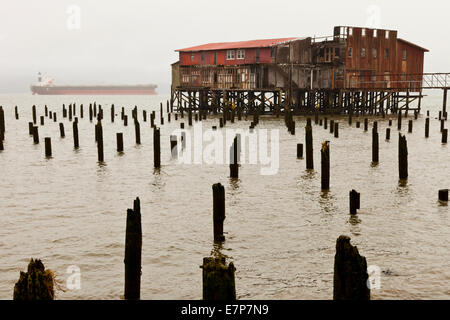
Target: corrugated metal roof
x,y
238,44
412,44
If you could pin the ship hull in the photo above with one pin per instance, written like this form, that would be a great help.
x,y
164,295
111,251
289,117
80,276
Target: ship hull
x,y
101,90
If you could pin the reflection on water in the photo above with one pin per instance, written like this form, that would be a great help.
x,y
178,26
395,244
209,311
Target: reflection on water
x,y
326,201
355,228
234,184
280,230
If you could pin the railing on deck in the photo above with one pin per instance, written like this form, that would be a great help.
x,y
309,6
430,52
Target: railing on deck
x,y
399,81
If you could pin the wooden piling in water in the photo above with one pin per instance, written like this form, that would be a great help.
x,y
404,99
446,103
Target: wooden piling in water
x,y
350,272
402,157
218,280
156,148
90,113
76,143
218,211
152,119
2,123
42,120
16,113
119,138
331,126
48,147
30,128
410,126
325,165
125,120
54,117
234,165
112,113
399,121
444,136
336,129
388,133
309,145
299,151
35,135
133,251
443,195
375,146
137,131
427,127
61,130
442,124
99,131
34,114
355,201
81,111
35,284
70,112
366,124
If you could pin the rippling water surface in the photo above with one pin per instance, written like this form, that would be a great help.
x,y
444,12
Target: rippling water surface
x,y
280,229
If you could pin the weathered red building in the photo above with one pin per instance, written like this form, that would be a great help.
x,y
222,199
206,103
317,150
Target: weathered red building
x,y
301,71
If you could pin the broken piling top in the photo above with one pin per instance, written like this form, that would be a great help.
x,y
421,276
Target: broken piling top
x,y
350,272
35,284
218,279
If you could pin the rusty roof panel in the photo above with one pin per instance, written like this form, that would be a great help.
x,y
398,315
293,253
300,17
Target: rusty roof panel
x,y
239,44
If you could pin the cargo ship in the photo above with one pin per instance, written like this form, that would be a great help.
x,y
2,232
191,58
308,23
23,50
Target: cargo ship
x,y
45,86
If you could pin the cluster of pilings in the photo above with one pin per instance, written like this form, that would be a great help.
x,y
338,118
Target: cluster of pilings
x,y
350,268
273,101
218,276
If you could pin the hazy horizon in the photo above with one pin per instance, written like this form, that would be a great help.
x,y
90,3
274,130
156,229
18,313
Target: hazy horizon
x,y
81,42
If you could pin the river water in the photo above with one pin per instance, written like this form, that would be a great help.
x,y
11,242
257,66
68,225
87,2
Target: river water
x,y
280,229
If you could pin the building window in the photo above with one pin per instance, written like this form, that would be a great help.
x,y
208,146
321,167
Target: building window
x,y
387,34
230,54
404,54
386,53
241,54
363,32
363,52
350,31
203,56
374,52
337,53
192,56
374,76
403,76
375,33
350,52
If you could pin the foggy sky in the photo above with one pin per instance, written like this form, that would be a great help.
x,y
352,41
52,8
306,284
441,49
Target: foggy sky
x,y
133,41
